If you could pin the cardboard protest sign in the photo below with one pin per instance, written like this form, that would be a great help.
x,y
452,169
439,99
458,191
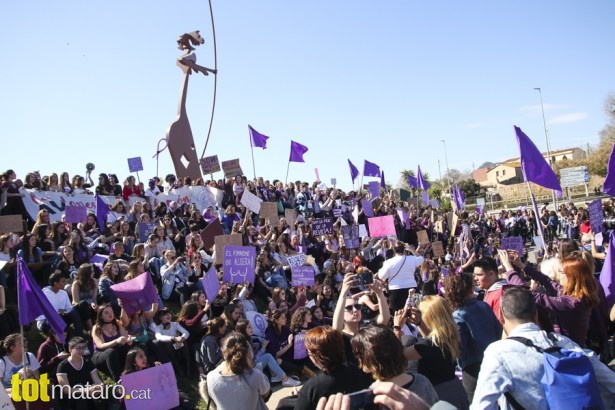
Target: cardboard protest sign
x,y
437,248
159,381
302,276
251,201
268,210
136,294
291,216
381,226
514,243
135,164
231,168
209,165
210,232
423,236
211,284
145,229
367,208
239,263
322,226
11,223
596,215
454,226
75,214
273,220
351,236
299,259
221,241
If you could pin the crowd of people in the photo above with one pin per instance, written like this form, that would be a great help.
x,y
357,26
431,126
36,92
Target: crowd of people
x,y
389,321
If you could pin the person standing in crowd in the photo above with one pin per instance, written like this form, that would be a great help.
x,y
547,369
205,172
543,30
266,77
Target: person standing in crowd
x,y
486,278
399,271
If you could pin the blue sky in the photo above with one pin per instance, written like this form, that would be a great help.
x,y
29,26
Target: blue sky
x,y
384,81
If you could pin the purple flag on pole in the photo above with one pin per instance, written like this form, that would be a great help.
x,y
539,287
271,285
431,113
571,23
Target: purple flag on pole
x,y
354,172
257,139
534,166
136,294
102,210
32,302
383,184
412,181
421,181
608,270
370,169
608,187
296,152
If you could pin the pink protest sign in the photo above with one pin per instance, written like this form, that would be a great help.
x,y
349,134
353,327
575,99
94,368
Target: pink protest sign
x,y
76,214
381,226
136,294
156,387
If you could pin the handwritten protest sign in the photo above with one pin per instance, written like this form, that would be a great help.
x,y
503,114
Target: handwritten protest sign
x,y
423,237
337,212
239,263
11,223
145,229
209,165
351,236
291,216
211,284
159,381
438,249
251,201
210,232
367,208
296,260
221,241
381,226
514,243
231,168
136,294
322,226
374,188
135,164
268,210
302,275
299,349
75,214
273,220
596,215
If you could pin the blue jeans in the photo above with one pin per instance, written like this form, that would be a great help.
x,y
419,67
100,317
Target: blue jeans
x,y
268,360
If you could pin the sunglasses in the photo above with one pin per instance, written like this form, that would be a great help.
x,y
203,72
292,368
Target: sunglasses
x,y
350,308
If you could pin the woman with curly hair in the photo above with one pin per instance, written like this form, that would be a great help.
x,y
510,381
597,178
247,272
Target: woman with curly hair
x,y
477,326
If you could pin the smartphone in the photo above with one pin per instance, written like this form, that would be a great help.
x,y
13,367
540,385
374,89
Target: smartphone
x,y
363,399
366,278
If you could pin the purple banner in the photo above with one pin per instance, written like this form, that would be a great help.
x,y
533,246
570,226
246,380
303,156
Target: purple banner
x,y
239,263
368,210
76,214
211,284
351,236
322,226
596,215
302,276
135,164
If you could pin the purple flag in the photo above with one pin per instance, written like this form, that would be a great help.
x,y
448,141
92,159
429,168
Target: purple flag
x,y
534,166
137,293
296,152
608,270
354,172
412,181
102,210
458,198
608,187
462,199
421,181
383,184
370,169
32,302
257,139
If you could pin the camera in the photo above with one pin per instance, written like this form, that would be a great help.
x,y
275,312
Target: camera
x,y
363,399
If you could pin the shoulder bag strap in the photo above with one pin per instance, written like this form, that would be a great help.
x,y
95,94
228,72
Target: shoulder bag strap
x,y
398,270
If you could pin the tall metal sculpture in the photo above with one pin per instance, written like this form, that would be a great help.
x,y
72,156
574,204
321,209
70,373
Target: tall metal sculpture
x,y
179,135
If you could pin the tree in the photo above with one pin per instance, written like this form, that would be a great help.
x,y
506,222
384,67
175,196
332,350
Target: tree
x,y
599,158
470,188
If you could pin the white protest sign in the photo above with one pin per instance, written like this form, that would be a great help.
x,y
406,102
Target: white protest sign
x,y
251,201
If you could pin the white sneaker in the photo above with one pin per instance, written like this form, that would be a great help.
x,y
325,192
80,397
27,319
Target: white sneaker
x,y
291,382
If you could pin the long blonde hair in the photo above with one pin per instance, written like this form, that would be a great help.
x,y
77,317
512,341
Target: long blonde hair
x,y
439,318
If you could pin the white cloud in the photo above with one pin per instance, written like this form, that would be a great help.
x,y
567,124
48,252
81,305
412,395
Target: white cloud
x,y
566,118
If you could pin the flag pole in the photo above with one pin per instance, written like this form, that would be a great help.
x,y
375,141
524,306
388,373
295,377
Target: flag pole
x,y
254,166
361,184
24,351
537,216
287,168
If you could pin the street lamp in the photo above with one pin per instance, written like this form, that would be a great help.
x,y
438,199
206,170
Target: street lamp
x,y
544,123
448,174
